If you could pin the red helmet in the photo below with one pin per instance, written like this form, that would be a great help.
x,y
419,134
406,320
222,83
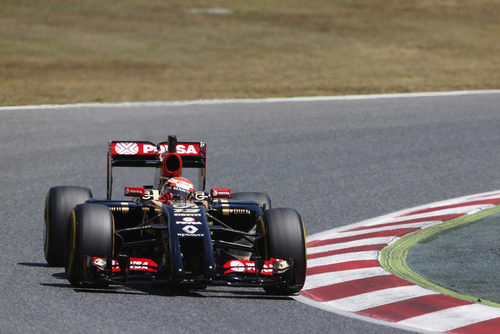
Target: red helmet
x,y
177,188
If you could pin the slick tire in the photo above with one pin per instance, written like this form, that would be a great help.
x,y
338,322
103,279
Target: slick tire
x,y
262,199
91,233
59,203
286,239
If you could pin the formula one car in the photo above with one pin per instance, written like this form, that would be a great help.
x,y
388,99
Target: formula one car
x,y
169,233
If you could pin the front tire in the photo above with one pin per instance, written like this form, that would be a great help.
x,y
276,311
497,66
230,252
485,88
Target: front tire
x,y
59,203
91,233
286,240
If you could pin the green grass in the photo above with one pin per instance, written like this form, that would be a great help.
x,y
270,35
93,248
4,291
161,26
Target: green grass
x,y
88,50
393,257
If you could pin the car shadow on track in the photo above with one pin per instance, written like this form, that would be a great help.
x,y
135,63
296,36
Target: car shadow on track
x,y
123,290
244,294
33,264
161,289
167,291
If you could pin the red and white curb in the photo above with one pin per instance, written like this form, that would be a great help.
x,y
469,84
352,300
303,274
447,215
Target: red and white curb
x,y
344,274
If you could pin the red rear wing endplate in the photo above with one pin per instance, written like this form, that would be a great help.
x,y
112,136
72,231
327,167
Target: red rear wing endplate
x,y
147,154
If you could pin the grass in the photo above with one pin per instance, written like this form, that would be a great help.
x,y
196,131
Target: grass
x,y
57,51
393,257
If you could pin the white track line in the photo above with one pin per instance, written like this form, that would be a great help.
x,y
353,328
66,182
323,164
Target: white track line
x,y
252,101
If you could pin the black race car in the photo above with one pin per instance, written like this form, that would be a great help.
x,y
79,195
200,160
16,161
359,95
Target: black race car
x,y
204,238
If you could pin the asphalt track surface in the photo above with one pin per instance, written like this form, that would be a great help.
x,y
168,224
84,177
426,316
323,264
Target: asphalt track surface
x,y
336,161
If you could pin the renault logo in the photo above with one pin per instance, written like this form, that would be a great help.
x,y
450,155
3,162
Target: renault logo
x,y
189,229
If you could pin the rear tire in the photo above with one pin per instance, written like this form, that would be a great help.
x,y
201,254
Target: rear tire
x,y
285,235
91,233
262,199
59,203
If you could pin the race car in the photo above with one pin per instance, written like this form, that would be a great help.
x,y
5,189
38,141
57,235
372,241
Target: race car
x,y
168,232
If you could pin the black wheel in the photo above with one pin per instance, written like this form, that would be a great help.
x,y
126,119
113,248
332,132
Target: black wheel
x,y
91,233
261,198
59,203
286,239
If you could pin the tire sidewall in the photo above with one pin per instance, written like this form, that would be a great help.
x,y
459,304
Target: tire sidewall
x,y
285,236
59,203
91,233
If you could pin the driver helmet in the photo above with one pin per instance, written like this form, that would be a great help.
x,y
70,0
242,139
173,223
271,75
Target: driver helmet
x,y
177,188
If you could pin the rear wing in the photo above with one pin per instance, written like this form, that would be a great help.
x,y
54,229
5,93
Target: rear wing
x,y
147,154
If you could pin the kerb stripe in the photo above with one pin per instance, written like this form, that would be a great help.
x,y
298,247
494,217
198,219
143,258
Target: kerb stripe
x,y
413,307
416,220
344,274
347,250
355,287
483,327
453,317
492,201
351,265
396,232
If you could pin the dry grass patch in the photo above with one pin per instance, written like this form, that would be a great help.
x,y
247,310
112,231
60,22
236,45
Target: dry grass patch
x,y
57,51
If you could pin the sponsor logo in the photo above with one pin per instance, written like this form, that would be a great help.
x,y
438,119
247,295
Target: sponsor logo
x,y
200,195
239,267
134,191
182,214
187,211
185,207
99,263
182,149
269,267
188,221
189,229
126,148
132,148
193,211
137,264
191,235
220,192
235,211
